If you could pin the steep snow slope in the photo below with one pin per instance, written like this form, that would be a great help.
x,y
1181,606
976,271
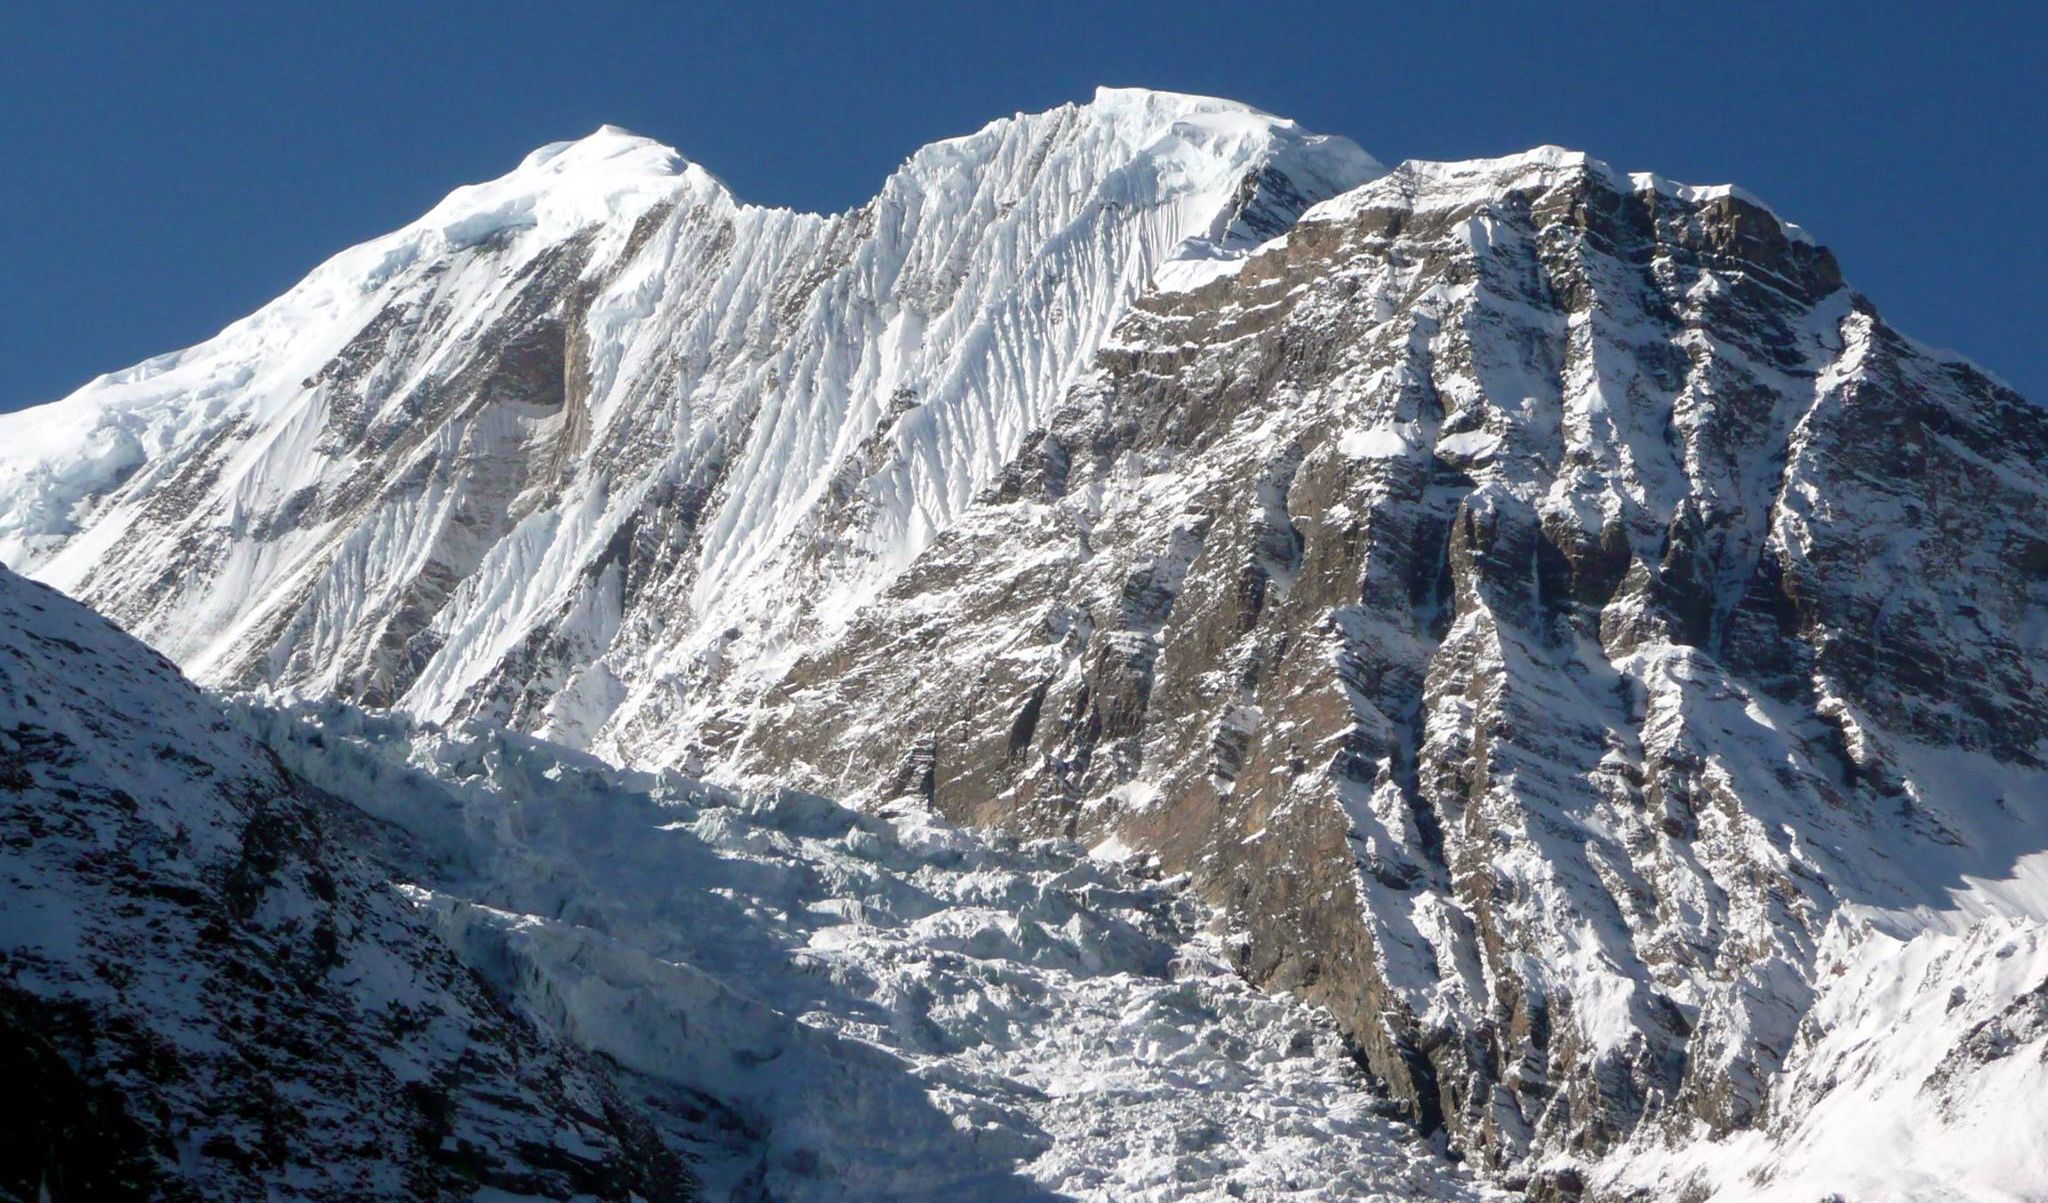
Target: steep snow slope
x,y
204,994
586,446
1918,1074
890,1008
1542,605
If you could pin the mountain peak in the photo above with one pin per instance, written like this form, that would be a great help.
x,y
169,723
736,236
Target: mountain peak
x,y
1147,112
607,143
1111,99
610,175
1558,627
1461,181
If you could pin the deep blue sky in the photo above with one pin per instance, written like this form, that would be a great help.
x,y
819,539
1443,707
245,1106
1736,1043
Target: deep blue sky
x,y
165,168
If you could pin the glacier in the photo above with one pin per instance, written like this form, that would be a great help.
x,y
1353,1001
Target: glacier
x,y
892,1006
313,953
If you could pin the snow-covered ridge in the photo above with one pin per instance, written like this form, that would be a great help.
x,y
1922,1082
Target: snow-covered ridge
x,y
608,178
1455,183
439,453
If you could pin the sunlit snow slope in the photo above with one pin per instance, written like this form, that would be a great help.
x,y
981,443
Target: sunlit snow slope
x,y
585,447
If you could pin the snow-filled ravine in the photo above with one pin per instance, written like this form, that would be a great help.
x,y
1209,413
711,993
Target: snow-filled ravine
x,y
830,1004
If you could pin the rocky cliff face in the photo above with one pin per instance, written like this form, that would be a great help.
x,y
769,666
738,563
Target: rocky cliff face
x,y
1535,601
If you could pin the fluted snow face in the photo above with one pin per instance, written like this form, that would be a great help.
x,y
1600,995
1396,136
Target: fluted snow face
x,y
583,438
205,496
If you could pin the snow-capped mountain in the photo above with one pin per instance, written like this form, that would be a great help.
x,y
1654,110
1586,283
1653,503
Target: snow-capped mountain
x,y
1568,634
589,447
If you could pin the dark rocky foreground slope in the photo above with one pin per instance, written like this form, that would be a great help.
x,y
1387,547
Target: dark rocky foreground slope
x,y
205,994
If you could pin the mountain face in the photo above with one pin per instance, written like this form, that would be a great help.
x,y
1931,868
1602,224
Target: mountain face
x,y
314,954
1559,624
1542,605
